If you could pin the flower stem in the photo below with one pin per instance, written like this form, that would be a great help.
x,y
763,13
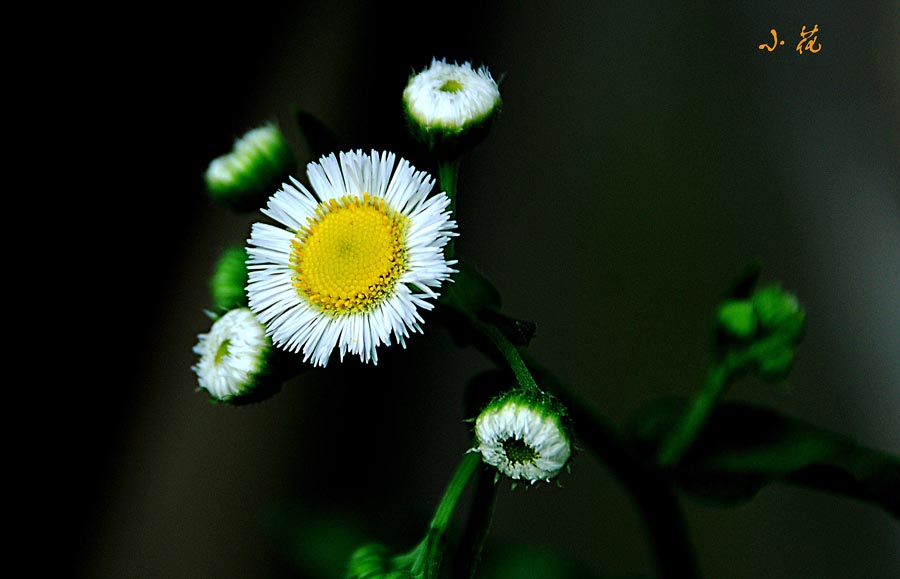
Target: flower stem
x,y
428,562
511,353
651,492
719,375
448,174
480,516
689,426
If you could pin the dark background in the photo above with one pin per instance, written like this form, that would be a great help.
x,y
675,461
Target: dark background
x,y
645,154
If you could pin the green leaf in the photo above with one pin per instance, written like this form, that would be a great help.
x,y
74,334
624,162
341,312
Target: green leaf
x,y
533,562
470,293
519,332
319,137
745,447
319,542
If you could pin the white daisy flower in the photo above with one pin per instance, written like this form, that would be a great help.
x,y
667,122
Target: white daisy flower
x,y
446,102
523,436
235,358
256,164
354,262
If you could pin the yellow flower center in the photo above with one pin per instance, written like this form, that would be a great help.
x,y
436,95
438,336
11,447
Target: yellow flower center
x,y
350,255
518,451
451,85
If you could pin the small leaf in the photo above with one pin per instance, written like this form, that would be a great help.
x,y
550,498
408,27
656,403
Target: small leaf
x,y
470,293
519,332
319,137
320,542
745,447
505,561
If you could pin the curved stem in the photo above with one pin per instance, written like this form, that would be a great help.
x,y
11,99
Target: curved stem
x,y
511,353
690,425
666,529
651,492
428,562
719,375
480,516
448,174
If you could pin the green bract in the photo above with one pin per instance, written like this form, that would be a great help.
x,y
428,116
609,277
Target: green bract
x,y
244,178
229,281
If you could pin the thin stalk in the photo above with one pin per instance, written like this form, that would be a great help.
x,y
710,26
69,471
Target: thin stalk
x,y
689,426
719,376
511,353
651,492
448,174
482,513
428,562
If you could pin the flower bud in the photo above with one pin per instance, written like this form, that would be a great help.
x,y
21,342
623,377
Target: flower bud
x,y
450,107
229,281
525,436
779,311
257,164
236,359
737,318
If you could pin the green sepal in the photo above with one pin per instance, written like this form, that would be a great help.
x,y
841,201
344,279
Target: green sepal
x,y
776,365
450,142
778,311
737,318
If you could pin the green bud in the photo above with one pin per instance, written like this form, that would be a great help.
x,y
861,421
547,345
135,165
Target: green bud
x,y
524,435
229,281
776,365
257,164
450,107
779,312
737,318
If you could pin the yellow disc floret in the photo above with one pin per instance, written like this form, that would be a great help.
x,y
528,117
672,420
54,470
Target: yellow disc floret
x,y
350,255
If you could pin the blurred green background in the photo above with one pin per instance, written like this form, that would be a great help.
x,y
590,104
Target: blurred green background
x,y
646,152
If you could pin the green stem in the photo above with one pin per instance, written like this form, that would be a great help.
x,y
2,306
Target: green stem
x,y
448,174
480,516
428,562
511,353
689,426
651,492
718,376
